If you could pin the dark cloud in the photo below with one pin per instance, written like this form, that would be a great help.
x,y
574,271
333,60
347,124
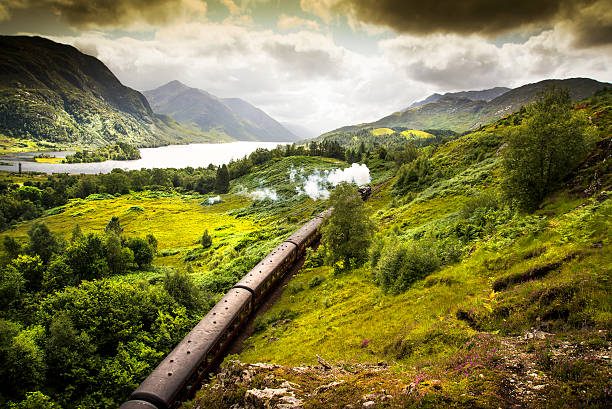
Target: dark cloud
x,y
114,13
485,17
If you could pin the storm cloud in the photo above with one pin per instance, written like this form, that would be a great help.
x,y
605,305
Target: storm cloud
x,y
112,13
590,20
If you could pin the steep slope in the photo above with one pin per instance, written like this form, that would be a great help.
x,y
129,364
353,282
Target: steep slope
x,y
275,130
459,113
483,95
205,112
517,315
52,92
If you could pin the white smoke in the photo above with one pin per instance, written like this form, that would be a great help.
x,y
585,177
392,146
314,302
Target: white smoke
x,y
213,200
316,185
357,173
264,193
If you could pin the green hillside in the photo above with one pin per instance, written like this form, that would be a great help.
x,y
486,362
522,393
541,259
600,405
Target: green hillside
x,y
51,93
457,112
517,314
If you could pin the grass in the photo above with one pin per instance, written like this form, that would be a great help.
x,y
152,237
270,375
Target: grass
x,y
49,160
555,270
177,221
413,133
382,131
14,145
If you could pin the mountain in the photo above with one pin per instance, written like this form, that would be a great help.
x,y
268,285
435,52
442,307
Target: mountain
x,y
300,131
205,112
276,130
54,93
484,95
459,113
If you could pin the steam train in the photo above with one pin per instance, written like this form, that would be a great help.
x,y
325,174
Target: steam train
x,y
176,377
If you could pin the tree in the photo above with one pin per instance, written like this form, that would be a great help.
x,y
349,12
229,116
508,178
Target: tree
x,y
543,149
181,287
32,269
222,180
77,234
114,226
206,240
12,247
42,242
12,284
143,253
118,258
347,233
152,241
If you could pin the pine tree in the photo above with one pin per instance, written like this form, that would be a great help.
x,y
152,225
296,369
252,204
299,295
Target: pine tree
x,y
222,180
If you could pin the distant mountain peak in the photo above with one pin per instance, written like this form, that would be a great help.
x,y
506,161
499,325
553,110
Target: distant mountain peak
x,y
233,117
480,95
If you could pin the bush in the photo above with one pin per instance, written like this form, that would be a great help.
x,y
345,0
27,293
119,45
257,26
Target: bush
x,y
180,286
206,240
316,281
401,264
143,252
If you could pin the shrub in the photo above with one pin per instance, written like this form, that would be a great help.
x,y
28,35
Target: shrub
x,y
401,264
206,240
316,281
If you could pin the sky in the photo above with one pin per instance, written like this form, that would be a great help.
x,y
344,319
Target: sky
x,y
323,64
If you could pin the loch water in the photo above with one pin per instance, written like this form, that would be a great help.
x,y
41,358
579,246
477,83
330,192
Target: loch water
x,y
171,156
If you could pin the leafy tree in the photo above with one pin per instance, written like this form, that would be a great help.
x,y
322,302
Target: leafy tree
x,y
543,149
77,234
36,400
143,252
58,275
70,355
206,240
32,269
12,247
347,233
181,287
117,257
42,242
87,258
114,226
12,286
222,180
152,241
27,368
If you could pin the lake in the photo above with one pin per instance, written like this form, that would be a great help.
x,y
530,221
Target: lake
x,y
171,156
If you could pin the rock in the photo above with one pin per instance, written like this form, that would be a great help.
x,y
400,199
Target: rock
x,y
369,404
264,366
271,398
325,387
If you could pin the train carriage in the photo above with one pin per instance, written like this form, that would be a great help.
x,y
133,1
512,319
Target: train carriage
x,y
173,379
185,366
260,279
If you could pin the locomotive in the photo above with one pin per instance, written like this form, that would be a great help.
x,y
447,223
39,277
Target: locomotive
x,y
176,377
